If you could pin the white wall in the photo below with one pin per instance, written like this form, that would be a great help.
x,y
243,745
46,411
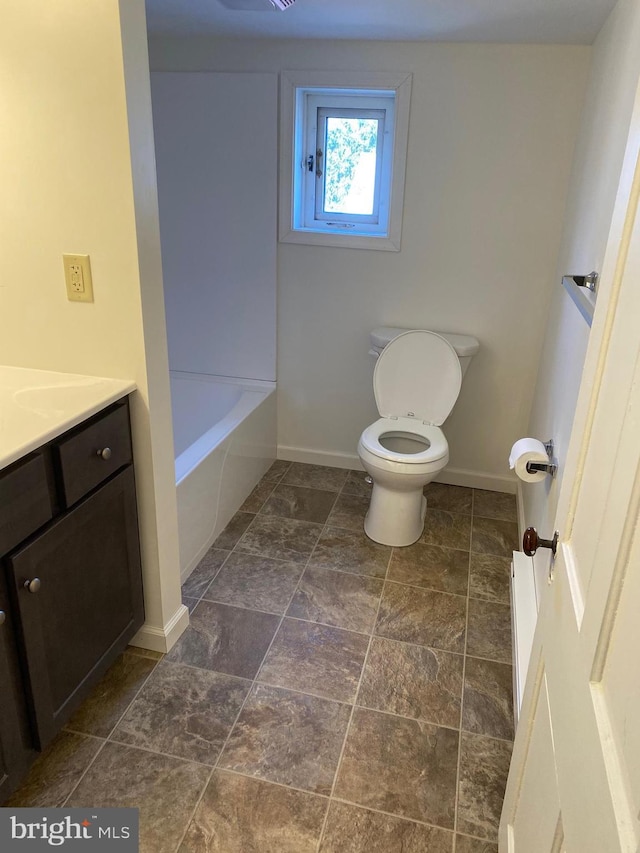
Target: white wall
x,y
604,127
78,175
216,140
491,137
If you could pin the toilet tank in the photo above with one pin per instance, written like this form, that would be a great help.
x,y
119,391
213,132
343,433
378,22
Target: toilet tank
x,y
465,346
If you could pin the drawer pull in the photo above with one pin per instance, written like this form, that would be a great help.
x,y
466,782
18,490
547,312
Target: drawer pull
x,y
3,617
33,585
105,453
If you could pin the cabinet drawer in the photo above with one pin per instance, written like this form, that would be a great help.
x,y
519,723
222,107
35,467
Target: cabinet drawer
x,y
83,465
25,501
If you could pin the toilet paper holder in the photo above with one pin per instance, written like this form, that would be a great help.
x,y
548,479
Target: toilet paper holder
x,y
549,467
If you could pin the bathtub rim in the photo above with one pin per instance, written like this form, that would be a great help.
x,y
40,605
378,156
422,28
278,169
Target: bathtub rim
x,y
254,392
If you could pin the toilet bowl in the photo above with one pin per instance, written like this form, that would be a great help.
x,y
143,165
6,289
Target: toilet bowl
x,y
416,383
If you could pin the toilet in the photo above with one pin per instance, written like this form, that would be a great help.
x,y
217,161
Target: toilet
x,y
416,383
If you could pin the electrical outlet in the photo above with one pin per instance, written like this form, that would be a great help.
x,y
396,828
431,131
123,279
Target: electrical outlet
x,y
77,276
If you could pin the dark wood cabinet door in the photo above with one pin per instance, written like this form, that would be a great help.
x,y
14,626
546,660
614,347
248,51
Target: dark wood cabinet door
x,y
78,587
15,745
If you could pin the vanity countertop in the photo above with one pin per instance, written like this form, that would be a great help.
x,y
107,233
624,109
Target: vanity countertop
x,y
38,405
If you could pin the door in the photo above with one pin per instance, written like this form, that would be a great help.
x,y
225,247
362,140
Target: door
x,y
15,744
574,783
79,592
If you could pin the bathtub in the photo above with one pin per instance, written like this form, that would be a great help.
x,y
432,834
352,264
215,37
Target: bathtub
x,y
224,434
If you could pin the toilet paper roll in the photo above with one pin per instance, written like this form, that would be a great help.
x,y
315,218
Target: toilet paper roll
x,y
528,450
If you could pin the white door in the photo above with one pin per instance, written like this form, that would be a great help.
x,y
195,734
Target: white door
x,y
574,783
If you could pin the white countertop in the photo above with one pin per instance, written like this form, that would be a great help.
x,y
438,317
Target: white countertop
x,y
38,405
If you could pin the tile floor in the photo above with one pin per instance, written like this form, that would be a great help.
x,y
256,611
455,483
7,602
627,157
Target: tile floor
x,y
330,694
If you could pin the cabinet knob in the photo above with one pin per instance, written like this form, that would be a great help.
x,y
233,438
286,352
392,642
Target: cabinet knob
x,y
3,617
33,585
105,453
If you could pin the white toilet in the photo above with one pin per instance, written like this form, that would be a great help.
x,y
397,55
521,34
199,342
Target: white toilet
x,y
416,383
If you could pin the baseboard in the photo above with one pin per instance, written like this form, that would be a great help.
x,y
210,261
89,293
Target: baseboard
x,y
163,639
524,614
477,480
452,476
320,457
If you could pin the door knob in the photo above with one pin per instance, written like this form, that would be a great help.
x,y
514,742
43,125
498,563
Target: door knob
x,y
531,542
104,453
33,585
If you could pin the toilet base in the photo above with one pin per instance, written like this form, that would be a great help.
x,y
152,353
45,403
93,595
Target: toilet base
x,y
395,518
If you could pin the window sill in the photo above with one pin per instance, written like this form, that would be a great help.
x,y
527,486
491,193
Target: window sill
x,y
342,241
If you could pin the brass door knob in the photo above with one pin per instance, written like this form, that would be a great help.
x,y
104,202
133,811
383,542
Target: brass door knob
x,y
33,586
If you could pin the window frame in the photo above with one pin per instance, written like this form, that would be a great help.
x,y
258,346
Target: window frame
x,y
300,88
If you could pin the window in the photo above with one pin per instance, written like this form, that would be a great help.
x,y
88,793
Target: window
x,y
343,154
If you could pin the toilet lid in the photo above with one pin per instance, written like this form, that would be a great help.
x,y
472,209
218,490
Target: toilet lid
x,y
418,374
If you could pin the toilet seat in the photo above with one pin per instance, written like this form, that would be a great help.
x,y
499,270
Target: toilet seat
x,y
438,447
417,375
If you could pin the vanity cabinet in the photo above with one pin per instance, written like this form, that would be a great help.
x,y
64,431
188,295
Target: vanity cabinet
x,y
72,583
15,742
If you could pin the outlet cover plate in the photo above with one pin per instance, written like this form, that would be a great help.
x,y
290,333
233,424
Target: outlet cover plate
x,y
77,276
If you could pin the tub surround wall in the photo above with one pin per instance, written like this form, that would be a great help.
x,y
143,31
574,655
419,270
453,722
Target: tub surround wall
x,y
491,137
78,175
613,83
216,150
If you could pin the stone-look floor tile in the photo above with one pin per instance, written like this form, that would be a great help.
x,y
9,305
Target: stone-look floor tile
x,y
413,681
190,603
110,698
315,659
449,498
350,551
349,512
448,529
351,829
488,698
242,815
280,538
431,566
357,485
422,616
494,536
204,573
316,476
183,711
277,471
258,496
489,577
336,598
489,630
464,844
400,766
299,502
494,505
233,532
484,766
258,582
56,772
165,790
225,639
288,738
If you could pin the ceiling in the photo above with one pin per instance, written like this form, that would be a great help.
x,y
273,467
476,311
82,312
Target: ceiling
x,y
510,21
